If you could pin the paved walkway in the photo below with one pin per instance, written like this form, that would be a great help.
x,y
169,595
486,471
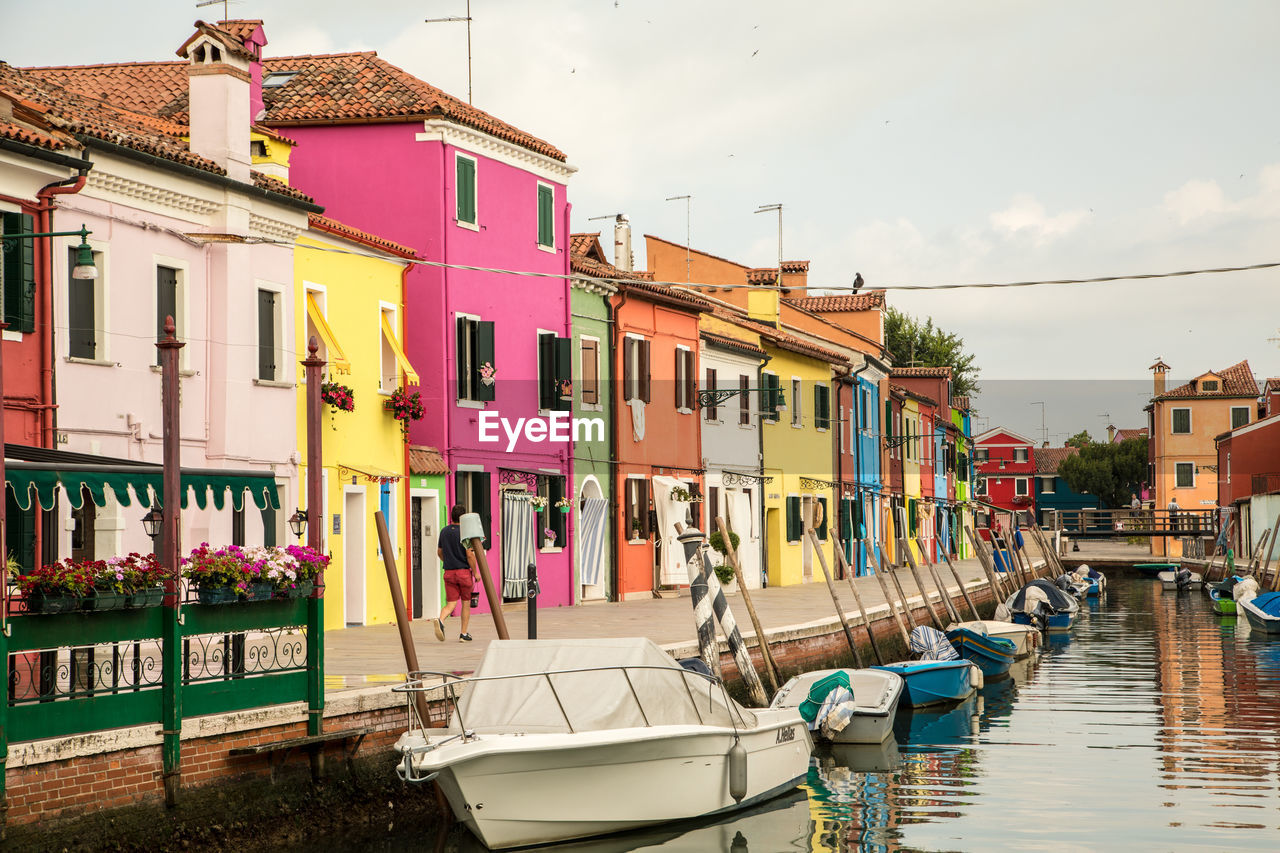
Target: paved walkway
x,y
361,657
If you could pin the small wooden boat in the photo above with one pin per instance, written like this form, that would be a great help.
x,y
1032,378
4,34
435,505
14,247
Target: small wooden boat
x,y
1153,569
1025,638
932,682
1096,580
992,655
844,705
1262,611
1222,595
1180,579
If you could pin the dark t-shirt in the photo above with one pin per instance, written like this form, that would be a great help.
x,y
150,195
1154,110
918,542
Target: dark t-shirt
x,y
450,544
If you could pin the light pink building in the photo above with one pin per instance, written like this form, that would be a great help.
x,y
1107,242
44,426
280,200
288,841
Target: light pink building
x,y
398,157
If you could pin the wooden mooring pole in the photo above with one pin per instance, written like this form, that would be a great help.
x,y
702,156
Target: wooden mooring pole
x,y
884,589
771,672
857,598
959,582
835,599
952,612
915,573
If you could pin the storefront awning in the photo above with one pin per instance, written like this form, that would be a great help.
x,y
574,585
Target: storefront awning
x,y
337,358
39,471
410,376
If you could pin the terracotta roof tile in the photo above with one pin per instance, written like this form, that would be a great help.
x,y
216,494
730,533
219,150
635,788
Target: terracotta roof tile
x,y
1237,381
586,257
907,392
582,244
928,372
1126,434
18,133
961,403
777,337
241,29
226,38
732,343
850,302
762,275
145,87
333,226
1049,458
426,461
275,185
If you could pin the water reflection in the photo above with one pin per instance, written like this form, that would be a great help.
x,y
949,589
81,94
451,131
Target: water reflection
x,y
1153,725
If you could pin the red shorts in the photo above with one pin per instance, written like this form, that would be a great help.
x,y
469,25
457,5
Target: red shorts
x,y
458,584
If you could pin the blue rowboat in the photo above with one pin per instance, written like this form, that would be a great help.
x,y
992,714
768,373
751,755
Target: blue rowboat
x,y
1262,611
992,655
1056,623
929,682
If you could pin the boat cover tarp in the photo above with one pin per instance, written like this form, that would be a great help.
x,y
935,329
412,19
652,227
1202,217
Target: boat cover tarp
x,y
603,697
1268,603
1056,598
931,644
1228,584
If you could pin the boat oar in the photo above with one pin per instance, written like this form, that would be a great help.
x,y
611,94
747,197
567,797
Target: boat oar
x,y
1257,552
937,580
857,599
967,600
731,554
892,605
915,573
1275,576
835,599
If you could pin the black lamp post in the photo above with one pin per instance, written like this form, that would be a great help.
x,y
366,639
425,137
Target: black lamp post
x,y
298,523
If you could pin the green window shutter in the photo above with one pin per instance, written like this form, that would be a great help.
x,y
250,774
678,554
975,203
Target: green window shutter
x,y
793,519
546,215
465,190
856,518
888,419
911,517
19,274
462,356
766,396
846,519
563,372
822,528
484,353
775,395
546,370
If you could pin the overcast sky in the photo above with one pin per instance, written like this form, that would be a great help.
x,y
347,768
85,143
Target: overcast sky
x,y
919,143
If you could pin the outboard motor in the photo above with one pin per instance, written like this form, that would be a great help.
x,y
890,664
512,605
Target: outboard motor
x,y
1039,616
697,665
1183,578
1064,583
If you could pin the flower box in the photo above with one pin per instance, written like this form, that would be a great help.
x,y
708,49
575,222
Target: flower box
x,y
105,599
302,589
38,602
152,597
260,592
216,594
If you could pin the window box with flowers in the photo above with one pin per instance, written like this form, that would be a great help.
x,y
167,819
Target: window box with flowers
x,y
564,505
405,407
339,396
235,573
112,584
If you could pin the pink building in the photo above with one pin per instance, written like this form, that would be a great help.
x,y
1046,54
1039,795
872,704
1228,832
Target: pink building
x,y
398,157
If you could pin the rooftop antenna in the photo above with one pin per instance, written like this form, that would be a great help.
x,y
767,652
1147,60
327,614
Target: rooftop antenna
x,y
766,208
1044,431
455,19
226,16
688,233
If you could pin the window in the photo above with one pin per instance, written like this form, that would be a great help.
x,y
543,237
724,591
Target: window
x,y
796,414
1019,454
821,406
821,529
795,524
1181,423
1047,485
1239,416
475,359
864,400
982,518
464,189
550,517
770,396
555,385
635,369
268,319
712,411
167,287
546,216
744,400
980,487
471,489
981,454
1020,486
276,79
1209,385
686,379
636,508
1184,475
393,358
84,310
962,467
589,371
19,273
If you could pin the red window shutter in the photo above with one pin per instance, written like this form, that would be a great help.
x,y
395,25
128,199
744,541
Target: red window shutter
x,y
628,344
644,371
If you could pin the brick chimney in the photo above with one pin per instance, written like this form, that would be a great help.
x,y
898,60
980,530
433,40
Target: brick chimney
x,y
795,274
1111,433
763,303
218,83
1159,369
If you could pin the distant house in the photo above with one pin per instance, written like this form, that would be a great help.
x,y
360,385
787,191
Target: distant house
x,y
1052,491
1005,465
1249,478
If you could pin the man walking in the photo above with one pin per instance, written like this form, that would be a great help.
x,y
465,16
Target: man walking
x,y
460,574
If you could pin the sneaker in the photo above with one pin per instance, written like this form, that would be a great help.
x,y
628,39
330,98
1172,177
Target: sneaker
x,y
464,638
438,627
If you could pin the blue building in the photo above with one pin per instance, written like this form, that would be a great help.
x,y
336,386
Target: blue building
x,y
859,462
1052,492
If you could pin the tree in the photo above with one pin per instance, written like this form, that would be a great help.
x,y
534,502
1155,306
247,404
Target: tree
x,y
914,344
1113,472
1080,439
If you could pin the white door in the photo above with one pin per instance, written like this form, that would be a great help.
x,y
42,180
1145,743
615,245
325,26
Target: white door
x,y
353,553
426,565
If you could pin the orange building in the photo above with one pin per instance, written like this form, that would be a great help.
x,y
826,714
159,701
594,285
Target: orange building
x,y
657,431
1182,423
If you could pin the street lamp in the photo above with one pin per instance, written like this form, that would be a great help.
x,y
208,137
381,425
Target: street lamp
x,y
153,521
85,269
298,523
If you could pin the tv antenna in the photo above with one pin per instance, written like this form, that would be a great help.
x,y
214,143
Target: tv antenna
x,y
226,15
688,233
767,208
453,19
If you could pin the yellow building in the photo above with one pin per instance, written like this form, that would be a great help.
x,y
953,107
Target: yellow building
x,y
353,305
911,491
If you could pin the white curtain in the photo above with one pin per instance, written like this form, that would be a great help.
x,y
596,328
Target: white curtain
x,y
591,527
672,570
741,521
518,547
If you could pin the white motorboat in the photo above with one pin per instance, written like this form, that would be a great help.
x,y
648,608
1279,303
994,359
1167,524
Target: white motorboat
x,y
1024,637
555,740
844,705
1180,579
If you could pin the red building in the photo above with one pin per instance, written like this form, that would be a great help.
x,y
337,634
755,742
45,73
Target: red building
x,y
1249,474
657,430
1005,464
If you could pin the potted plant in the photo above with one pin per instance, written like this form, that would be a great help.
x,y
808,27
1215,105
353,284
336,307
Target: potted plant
x,y
406,407
310,564
548,537
564,505
724,572
338,395
538,502
218,574
488,373
681,494
59,588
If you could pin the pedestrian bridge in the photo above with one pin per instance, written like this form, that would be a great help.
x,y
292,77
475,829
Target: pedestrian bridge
x,y
1123,523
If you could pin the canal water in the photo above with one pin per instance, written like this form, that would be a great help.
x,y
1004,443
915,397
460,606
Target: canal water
x,y
1154,725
